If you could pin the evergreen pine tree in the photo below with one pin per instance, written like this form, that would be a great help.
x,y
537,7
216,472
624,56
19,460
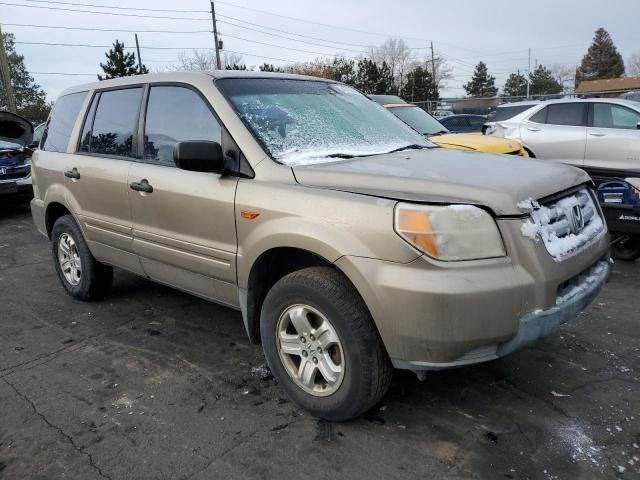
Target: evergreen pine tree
x,y
602,60
120,64
420,86
482,84
368,76
543,82
515,86
31,100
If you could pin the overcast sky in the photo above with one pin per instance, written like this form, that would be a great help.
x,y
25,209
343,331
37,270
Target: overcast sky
x,y
464,32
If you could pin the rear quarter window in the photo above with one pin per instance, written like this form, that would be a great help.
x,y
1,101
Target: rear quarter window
x,y
61,122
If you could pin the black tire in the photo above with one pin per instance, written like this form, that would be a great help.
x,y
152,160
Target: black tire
x,y
627,250
95,278
368,371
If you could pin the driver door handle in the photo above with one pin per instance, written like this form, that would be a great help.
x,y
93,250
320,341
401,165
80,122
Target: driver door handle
x,y
141,186
533,129
597,134
73,173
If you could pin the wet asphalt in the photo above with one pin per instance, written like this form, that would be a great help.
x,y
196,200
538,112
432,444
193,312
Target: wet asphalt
x,y
151,383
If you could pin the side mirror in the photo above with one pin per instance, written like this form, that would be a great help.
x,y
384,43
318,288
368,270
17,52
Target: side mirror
x,y
199,156
638,126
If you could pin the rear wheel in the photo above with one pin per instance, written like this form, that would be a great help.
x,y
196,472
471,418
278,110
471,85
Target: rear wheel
x,y
627,249
321,344
81,275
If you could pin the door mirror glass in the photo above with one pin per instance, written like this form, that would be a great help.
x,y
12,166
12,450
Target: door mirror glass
x,y
199,156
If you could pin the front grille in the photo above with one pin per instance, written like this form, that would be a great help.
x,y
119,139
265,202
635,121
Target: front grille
x,y
565,225
15,173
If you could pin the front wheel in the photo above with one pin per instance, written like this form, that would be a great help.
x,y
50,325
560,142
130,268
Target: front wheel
x,y
322,345
81,275
626,249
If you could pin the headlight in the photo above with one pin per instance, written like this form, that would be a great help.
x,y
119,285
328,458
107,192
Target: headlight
x,y
451,232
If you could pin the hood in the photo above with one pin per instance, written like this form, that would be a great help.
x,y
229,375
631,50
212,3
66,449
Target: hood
x,y
15,129
476,142
439,175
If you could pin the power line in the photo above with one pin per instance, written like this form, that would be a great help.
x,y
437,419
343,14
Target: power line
x,y
51,44
305,36
116,7
104,29
316,23
102,13
64,73
286,38
279,46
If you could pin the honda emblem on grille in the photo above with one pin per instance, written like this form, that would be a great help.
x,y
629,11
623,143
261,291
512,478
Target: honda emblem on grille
x,y
576,219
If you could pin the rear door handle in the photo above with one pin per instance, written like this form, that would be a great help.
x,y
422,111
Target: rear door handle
x,y
533,129
141,186
72,174
597,134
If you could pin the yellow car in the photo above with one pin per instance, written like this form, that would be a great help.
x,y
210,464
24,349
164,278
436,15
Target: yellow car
x,y
437,133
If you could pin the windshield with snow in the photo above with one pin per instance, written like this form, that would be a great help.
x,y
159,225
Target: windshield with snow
x,y
306,122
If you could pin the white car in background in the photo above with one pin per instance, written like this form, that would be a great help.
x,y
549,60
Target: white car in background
x,y
507,111
601,135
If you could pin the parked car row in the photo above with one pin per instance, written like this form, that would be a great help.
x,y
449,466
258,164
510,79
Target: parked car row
x,y
348,241
436,132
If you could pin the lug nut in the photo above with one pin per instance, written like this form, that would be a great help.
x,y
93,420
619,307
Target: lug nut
x,y
304,353
303,340
315,360
312,338
319,350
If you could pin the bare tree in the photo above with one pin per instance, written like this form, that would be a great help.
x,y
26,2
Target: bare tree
x,y
565,75
204,61
633,64
397,55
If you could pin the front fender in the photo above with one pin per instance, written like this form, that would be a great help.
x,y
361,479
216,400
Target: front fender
x,y
328,223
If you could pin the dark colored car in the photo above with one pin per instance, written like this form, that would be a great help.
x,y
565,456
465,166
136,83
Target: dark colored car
x,y
464,123
16,133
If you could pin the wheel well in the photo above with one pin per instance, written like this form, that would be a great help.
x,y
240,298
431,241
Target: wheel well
x,y
531,154
54,212
270,267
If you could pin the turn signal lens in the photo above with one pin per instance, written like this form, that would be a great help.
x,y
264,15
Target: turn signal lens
x,y
414,225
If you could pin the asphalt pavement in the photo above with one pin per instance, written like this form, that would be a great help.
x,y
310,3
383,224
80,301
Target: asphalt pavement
x,y
151,383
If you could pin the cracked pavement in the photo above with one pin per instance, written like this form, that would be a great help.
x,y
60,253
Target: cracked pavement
x,y
151,383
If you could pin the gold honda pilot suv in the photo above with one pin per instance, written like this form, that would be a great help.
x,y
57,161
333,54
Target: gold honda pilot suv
x,y
350,244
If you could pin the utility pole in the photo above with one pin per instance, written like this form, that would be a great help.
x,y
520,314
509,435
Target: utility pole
x,y
215,36
529,74
139,57
5,76
433,68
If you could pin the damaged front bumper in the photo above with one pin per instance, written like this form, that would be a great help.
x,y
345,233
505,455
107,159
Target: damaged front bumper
x,y
574,297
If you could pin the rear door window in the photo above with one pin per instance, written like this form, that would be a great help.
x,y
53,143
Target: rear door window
x,y
540,116
61,122
505,113
114,124
606,115
571,114
176,114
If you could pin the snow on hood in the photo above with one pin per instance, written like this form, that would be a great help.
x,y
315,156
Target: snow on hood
x,y
440,175
15,129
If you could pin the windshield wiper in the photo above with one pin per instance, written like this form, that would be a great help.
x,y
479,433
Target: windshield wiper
x,y
413,146
340,155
